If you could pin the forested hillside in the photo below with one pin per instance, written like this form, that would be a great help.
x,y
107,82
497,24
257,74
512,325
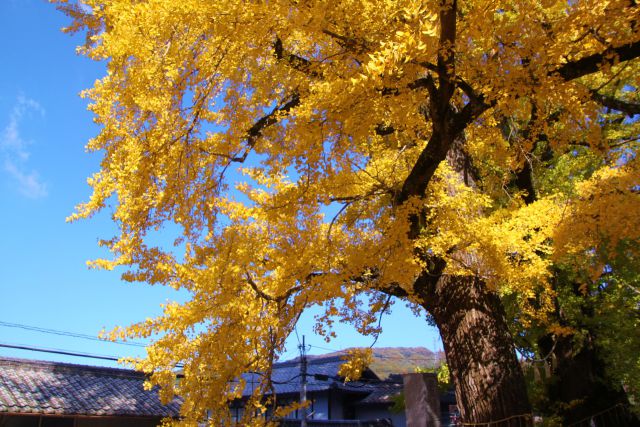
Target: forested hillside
x,y
400,360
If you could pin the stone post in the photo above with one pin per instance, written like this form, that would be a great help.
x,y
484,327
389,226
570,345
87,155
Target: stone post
x,y
422,400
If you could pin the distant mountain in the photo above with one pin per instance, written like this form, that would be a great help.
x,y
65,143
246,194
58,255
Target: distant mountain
x,y
399,360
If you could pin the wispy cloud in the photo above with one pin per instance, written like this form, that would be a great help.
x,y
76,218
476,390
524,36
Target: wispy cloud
x,y
15,152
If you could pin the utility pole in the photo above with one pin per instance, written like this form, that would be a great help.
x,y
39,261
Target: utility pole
x,y
303,382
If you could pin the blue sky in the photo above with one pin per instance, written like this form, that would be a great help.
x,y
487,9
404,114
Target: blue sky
x,y
44,280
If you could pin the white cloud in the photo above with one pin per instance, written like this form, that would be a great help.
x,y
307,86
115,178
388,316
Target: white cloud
x,y
29,184
15,153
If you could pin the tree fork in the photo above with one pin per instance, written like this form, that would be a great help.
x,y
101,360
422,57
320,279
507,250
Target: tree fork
x,y
488,380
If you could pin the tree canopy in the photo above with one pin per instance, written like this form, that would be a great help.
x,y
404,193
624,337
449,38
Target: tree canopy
x,y
336,153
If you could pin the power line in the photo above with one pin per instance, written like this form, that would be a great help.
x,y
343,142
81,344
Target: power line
x,y
65,352
262,375
319,377
325,348
58,351
431,357
67,334
138,344
295,328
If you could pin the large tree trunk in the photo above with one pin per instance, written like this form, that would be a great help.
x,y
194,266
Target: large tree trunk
x,y
489,383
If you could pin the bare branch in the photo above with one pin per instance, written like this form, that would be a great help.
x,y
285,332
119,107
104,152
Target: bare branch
x,y
335,218
384,309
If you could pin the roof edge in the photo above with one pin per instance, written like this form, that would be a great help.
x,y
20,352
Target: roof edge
x,y
46,365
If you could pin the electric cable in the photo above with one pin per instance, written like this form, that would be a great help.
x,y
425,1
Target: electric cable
x,y
65,352
67,334
58,351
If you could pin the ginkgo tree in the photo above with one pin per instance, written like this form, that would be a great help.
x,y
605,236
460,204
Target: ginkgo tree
x,y
337,153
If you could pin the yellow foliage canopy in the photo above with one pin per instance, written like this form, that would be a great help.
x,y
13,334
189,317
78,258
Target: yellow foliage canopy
x,y
282,140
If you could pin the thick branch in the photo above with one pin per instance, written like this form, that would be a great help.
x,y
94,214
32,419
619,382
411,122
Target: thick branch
x,y
446,51
349,43
440,110
421,83
592,63
268,297
424,168
437,148
524,181
470,112
524,177
294,61
255,131
425,82
384,130
423,285
629,108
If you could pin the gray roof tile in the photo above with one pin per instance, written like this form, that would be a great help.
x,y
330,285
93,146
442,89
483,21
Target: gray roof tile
x,y
286,379
28,386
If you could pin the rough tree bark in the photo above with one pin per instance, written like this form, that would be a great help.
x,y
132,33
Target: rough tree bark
x,y
489,383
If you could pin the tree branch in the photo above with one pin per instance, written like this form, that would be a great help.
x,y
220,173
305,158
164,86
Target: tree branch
x,y
592,63
425,82
423,170
629,108
384,130
446,51
352,44
255,131
424,284
294,61
442,115
268,297
470,112
524,182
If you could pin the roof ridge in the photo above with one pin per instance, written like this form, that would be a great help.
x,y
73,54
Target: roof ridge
x,y
313,360
47,365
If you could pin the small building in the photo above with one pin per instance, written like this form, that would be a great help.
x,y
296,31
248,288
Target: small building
x,y
369,399
52,394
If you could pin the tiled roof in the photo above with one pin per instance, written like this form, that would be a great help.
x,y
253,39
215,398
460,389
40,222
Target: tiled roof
x,y
286,377
383,393
38,387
